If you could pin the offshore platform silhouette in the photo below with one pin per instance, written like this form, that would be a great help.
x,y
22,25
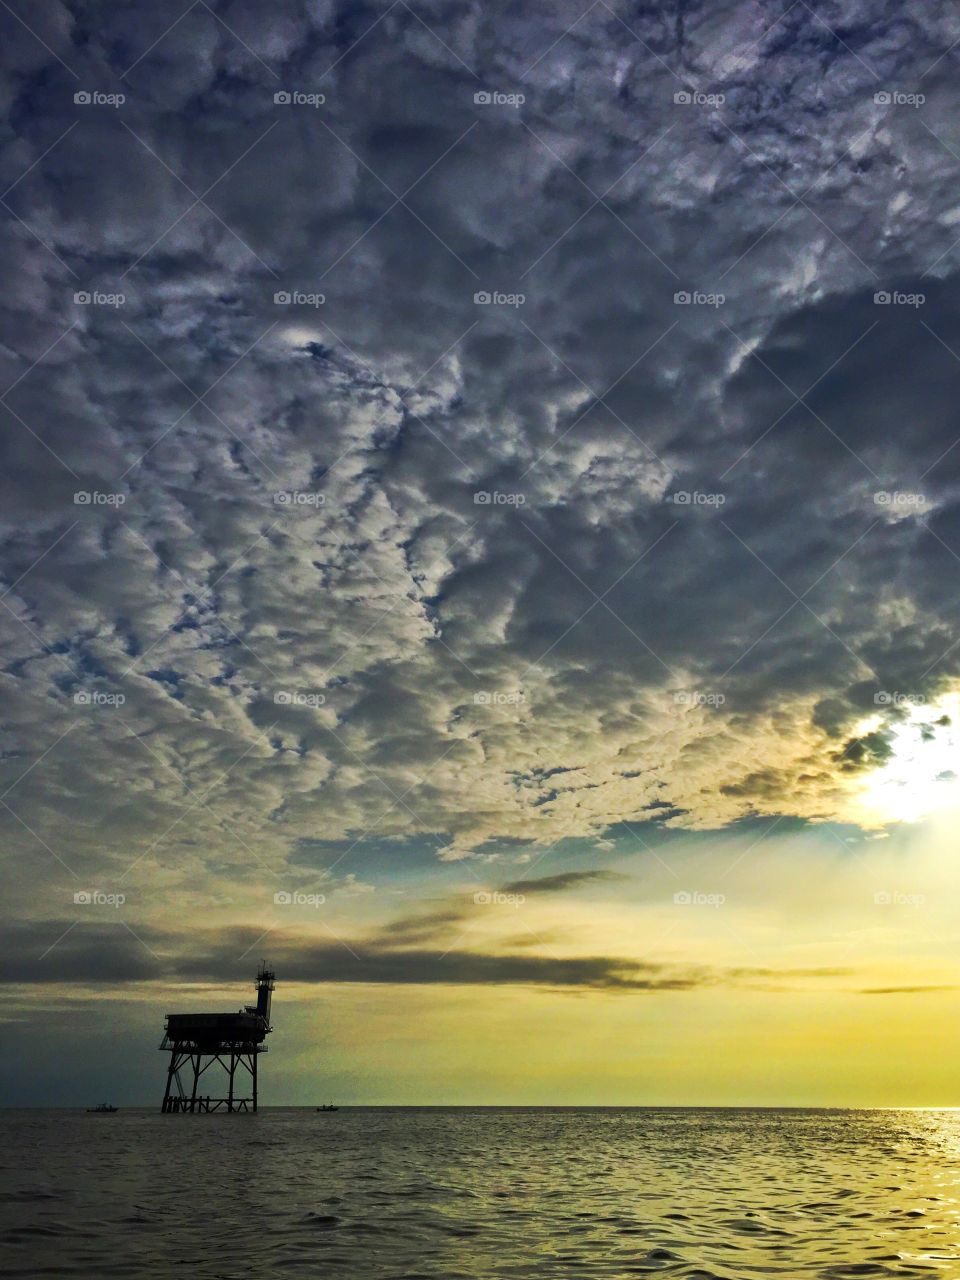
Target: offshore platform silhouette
x,y
234,1041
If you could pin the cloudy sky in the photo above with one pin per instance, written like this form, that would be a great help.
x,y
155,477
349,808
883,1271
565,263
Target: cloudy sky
x,y
481,528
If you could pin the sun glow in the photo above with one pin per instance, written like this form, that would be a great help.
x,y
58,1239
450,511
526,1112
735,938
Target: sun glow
x,y
922,775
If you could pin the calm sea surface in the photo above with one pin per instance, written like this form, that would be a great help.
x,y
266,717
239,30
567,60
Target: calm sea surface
x,y
475,1193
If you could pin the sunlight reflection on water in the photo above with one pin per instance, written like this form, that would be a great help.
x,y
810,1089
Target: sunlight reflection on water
x,y
481,1193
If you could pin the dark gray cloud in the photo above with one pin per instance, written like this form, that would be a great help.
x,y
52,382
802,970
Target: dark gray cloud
x,y
905,991
562,881
98,954
107,954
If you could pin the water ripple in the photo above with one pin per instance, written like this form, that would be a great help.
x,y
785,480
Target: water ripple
x,y
492,1194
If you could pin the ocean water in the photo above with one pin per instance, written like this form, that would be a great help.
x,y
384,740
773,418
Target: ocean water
x,y
383,1192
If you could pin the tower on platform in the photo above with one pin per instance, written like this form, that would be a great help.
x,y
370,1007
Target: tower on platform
x,y
225,1044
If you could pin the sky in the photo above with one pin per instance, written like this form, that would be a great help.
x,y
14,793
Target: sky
x,y
480,529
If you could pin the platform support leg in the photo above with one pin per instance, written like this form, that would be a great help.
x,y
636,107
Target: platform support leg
x,y
195,1063
171,1070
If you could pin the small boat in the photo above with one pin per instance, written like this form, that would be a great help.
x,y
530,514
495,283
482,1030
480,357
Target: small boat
x,y
328,1106
101,1109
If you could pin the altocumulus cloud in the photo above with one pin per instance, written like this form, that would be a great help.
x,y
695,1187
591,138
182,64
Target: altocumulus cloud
x,y
386,557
